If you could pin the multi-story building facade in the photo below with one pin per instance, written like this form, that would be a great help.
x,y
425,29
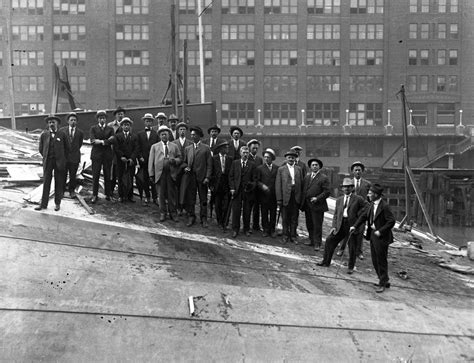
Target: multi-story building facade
x,y
323,74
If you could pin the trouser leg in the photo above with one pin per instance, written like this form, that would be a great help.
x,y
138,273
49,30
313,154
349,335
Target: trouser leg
x,y
48,176
58,185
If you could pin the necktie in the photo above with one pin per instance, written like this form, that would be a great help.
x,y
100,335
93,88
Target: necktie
x,y
371,214
223,163
346,200
313,175
166,150
212,142
244,164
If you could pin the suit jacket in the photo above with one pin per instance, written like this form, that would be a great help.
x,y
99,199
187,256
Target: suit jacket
x,y
242,179
257,160
74,154
144,144
266,177
319,188
173,135
126,147
100,151
187,142
303,166
61,148
283,185
157,160
355,208
363,188
199,160
384,221
235,154
208,141
115,126
219,180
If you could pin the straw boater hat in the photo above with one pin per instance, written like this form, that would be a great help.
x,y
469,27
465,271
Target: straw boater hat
x,y
100,113
197,129
161,115
310,161
148,116
173,117
219,146
52,117
347,182
119,109
271,152
233,128
291,153
377,189
163,128
182,124
126,120
253,141
357,163
215,127
297,148
71,114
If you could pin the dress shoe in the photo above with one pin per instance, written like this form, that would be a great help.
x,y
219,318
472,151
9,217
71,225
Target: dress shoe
x,y
350,271
273,235
387,285
180,212
174,218
264,234
57,207
72,195
248,233
162,218
380,289
285,239
322,264
234,234
39,207
131,200
360,257
107,198
94,199
191,221
317,248
309,243
121,200
339,253
204,223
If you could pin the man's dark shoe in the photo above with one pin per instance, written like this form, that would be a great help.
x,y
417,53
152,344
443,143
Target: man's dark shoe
x,y
57,207
204,223
162,218
285,239
350,271
264,234
94,199
40,207
131,200
191,221
107,198
273,235
248,233
322,263
380,289
234,234
72,195
309,243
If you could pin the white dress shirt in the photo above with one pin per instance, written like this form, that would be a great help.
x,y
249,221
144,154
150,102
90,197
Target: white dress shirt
x,y
291,168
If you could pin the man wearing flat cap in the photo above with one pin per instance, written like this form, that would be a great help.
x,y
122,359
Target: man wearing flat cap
x,y
316,190
147,138
213,138
172,122
126,152
288,190
102,138
119,114
254,145
235,142
349,207
182,142
73,158
198,169
54,148
380,221
266,177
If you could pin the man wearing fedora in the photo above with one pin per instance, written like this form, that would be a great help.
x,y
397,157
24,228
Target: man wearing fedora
x,y
235,142
172,123
349,207
266,177
213,138
380,221
163,168
242,182
161,119
288,189
102,137
316,190
126,152
146,138
198,169
54,148
119,114
219,183
298,149
73,158
182,142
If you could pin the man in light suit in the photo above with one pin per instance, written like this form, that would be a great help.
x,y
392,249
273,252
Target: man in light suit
x,y
266,177
54,148
349,207
198,169
75,140
235,142
163,168
288,189
380,221
182,142
316,191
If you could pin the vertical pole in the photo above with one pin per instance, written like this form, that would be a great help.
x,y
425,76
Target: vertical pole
x,y
406,164
185,81
174,84
9,62
201,52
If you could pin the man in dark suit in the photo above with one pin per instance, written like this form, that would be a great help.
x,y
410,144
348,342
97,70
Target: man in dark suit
x,y
266,176
54,148
380,221
75,140
213,138
102,137
219,184
235,143
146,139
288,189
315,192
163,168
182,142
242,184
172,123
119,114
349,207
254,145
126,151
198,167
299,162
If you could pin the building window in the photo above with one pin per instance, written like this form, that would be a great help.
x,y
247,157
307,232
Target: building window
x,y
131,7
367,31
69,7
286,84
323,58
30,7
28,32
1,58
133,58
412,31
241,114
191,32
366,57
453,57
322,114
78,83
323,147
238,58
419,114
190,6
366,7
279,114
363,147
28,83
425,31
452,83
365,114
28,58
412,57
238,83
441,31
281,57
324,6
133,32
453,31
238,32
194,83
323,31
424,57
323,83
424,6
70,57
441,84
365,83
447,6
193,57
445,113
69,32
280,7
419,6
280,31
133,83
29,108
411,83
424,87
240,7
441,57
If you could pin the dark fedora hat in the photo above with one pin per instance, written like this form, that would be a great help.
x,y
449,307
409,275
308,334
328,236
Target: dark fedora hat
x,y
197,129
233,128
70,114
217,147
377,189
357,163
119,109
310,161
215,127
52,117
291,153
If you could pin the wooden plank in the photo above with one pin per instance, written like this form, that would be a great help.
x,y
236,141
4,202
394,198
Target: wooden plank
x,y
84,204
